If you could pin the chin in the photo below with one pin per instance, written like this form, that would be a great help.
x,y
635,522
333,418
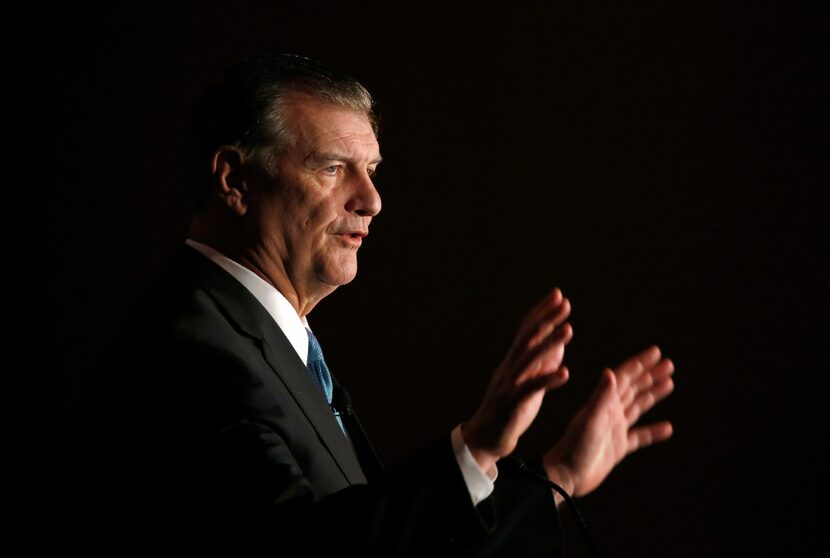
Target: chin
x,y
337,275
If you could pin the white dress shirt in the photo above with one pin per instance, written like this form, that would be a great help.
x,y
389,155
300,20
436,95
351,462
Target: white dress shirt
x,y
480,484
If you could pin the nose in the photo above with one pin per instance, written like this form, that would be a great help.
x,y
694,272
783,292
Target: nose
x,y
364,199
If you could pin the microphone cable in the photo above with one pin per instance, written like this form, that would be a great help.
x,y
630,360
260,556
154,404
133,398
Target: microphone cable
x,y
519,464
342,407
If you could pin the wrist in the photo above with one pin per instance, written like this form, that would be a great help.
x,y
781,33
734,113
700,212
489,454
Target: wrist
x,y
557,471
485,459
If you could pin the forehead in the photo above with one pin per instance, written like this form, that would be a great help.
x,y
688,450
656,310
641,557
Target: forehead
x,y
317,126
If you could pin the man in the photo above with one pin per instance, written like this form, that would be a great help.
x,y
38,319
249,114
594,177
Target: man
x,y
219,429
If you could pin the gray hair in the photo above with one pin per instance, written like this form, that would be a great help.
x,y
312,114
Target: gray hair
x,y
245,110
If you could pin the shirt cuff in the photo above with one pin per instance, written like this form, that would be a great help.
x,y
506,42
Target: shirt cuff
x,y
480,484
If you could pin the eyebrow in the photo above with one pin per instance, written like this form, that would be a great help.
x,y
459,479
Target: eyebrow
x,y
332,156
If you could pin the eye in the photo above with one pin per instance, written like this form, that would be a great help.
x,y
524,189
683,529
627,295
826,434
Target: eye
x,y
332,170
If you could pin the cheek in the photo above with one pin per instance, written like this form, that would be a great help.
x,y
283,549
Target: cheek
x,y
303,210
298,200
320,219
304,221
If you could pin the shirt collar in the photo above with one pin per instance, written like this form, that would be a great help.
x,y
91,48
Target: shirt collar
x,y
271,299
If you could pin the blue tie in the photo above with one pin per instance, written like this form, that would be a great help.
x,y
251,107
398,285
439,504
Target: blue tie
x,y
320,372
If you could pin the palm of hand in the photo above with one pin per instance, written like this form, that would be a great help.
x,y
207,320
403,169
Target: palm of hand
x,y
518,418
597,439
515,394
601,433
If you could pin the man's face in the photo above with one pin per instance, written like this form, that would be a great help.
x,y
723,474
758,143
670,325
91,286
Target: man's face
x,y
313,213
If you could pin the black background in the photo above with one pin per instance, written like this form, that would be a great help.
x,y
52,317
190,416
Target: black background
x,y
662,163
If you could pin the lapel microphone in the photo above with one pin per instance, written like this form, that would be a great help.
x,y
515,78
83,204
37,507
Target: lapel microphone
x,y
341,405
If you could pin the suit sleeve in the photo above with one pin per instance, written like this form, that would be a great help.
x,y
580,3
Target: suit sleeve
x,y
208,462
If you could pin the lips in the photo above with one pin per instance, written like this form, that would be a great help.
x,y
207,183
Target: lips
x,y
352,237
355,234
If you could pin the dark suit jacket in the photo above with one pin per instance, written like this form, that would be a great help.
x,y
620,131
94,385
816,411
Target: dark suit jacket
x,y
205,435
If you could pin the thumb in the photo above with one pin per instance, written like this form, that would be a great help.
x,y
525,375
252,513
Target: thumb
x,y
605,389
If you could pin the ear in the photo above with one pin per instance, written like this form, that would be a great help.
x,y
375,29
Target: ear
x,y
229,179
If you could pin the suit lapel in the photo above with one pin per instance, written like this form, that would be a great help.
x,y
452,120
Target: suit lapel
x,y
366,454
287,364
242,308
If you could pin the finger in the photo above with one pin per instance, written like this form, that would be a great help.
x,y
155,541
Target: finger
x,y
645,359
544,382
548,304
644,436
661,371
550,309
533,361
649,357
626,374
605,390
647,399
547,326
633,368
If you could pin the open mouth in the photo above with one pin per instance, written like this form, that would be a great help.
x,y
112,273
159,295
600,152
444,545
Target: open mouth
x,y
354,238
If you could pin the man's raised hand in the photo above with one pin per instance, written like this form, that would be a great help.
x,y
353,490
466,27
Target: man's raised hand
x,y
602,433
532,366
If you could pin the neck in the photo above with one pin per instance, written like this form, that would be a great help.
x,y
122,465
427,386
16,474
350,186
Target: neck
x,y
259,258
